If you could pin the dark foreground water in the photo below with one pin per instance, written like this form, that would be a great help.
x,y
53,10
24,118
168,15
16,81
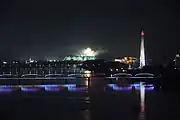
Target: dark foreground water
x,y
95,104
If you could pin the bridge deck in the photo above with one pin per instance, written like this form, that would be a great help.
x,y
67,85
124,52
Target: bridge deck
x,y
45,78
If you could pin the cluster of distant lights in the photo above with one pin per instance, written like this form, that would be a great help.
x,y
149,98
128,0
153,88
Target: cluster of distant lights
x,y
86,54
79,58
29,61
126,60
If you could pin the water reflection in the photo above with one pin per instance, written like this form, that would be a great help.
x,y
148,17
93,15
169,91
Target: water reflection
x,y
142,102
104,105
86,115
87,82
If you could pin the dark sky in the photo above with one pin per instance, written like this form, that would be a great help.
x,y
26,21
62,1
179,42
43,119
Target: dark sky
x,y
55,28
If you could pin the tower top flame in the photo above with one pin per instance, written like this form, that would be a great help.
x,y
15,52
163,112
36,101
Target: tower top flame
x,y
142,33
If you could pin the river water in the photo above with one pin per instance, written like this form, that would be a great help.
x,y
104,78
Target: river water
x,y
94,104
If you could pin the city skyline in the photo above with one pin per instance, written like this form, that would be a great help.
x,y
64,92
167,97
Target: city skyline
x,y
61,28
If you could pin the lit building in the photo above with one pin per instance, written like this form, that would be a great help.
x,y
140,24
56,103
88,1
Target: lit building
x,y
126,60
85,54
79,58
177,61
30,60
177,55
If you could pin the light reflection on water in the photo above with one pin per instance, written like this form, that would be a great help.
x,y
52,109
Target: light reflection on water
x,y
142,102
155,105
87,115
86,82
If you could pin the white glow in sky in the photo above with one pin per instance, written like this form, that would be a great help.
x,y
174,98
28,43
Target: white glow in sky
x,y
89,52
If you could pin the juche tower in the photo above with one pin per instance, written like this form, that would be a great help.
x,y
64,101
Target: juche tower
x,y
142,51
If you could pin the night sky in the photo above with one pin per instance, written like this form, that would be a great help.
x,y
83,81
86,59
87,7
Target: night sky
x,y
54,28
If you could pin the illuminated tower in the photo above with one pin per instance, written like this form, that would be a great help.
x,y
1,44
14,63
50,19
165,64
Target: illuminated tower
x,y
142,51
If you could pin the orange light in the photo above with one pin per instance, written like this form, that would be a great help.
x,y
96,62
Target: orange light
x,y
177,55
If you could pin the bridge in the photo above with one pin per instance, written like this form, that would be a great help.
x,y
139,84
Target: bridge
x,y
66,75
120,78
57,82
36,79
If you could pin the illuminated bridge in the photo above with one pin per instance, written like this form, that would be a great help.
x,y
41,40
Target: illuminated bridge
x,y
77,75
120,78
33,82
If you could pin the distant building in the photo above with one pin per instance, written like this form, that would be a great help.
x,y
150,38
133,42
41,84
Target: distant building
x,y
130,61
102,66
177,61
126,60
79,58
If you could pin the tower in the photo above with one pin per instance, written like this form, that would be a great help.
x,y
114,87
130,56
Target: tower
x,y
142,51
